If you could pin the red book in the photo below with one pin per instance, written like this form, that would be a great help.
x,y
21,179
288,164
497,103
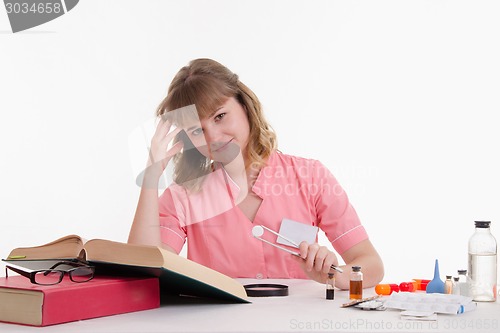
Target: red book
x,y
25,303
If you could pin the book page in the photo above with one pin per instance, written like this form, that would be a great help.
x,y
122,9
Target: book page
x,y
202,274
196,276
21,306
123,253
64,247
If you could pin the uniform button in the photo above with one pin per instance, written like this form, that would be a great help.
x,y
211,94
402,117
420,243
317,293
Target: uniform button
x,y
259,276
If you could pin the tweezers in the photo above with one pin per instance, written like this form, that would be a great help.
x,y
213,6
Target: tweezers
x,y
258,231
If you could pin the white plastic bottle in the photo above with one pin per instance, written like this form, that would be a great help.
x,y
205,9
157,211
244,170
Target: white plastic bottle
x,y
483,263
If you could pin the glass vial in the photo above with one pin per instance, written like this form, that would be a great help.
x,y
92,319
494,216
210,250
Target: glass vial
x,y
330,286
356,283
463,282
456,286
483,263
448,285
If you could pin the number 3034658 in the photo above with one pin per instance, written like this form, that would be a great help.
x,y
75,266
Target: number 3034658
x,y
35,8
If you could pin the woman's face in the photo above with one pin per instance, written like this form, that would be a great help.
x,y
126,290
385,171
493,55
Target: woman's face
x,y
223,134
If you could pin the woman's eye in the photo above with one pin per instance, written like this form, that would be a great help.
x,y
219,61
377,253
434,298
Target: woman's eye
x,y
197,131
219,116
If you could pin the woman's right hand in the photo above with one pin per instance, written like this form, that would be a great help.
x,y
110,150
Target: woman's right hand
x,y
159,153
146,226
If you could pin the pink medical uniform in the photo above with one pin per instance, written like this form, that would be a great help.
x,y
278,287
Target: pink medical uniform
x,y
220,236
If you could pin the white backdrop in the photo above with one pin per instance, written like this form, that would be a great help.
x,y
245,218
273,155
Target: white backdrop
x,y
399,99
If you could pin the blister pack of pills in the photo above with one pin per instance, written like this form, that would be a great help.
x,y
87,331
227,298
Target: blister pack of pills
x,y
437,303
371,305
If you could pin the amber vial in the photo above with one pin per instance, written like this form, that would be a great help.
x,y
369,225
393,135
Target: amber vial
x,y
356,283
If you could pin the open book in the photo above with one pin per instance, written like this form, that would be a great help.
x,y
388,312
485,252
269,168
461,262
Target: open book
x,y
178,275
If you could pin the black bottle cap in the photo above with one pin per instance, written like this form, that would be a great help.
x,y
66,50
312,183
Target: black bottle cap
x,y
356,268
462,271
482,224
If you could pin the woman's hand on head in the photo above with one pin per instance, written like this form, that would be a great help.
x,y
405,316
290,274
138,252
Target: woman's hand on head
x,y
159,153
316,261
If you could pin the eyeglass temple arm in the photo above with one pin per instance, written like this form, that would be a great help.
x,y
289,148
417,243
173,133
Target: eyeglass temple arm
x,y
69,263
19,271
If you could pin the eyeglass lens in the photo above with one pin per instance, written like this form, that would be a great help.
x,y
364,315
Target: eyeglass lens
x,y
48,277
81,274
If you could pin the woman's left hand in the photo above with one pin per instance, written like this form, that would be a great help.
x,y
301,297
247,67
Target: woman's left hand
x,y
316,261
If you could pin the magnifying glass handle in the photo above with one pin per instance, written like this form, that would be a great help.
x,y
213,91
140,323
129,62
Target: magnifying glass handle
x,y
338,269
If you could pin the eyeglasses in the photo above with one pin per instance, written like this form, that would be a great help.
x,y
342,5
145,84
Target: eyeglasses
x,y
79,273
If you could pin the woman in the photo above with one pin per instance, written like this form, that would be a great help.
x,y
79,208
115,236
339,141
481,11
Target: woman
x,y
229,176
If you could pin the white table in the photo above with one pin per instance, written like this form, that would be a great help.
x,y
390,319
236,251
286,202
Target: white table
x,y
304,310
